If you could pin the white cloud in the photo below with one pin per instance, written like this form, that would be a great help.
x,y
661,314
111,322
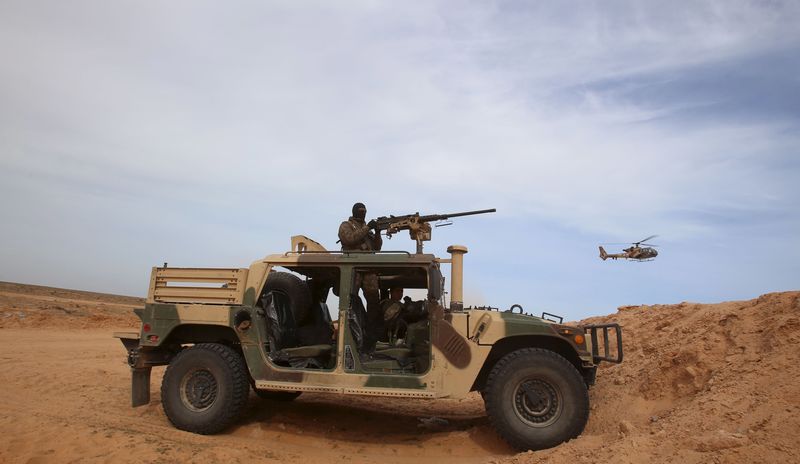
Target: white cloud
x,y
202,112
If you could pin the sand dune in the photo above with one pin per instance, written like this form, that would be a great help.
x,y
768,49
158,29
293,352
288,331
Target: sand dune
x,y
700,383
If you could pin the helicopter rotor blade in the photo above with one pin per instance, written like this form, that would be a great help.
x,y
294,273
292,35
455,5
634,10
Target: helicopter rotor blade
x,y
646,239
650,245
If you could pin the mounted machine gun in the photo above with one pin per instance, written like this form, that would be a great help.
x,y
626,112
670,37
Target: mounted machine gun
x,y
418,227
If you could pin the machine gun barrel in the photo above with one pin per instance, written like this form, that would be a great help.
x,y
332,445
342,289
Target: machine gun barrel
x,y
442,217
395,223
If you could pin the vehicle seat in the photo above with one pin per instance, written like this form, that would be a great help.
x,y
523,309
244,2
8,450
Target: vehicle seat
x,y
318,329
418,337
282,332
357,317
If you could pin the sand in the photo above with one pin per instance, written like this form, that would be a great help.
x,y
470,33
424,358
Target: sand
x,y
700,384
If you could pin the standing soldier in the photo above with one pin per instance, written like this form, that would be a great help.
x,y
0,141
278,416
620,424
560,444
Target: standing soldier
x,y
356,235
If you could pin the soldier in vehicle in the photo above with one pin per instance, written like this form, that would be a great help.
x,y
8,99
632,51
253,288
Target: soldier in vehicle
x,y
392,309
398,315
356,235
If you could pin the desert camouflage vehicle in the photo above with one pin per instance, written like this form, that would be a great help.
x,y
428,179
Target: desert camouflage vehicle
x,y
222,332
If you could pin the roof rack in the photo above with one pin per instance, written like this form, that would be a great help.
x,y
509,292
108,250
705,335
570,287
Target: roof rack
x,y
349,252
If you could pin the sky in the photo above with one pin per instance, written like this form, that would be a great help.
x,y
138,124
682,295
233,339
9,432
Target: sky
x,y
207,133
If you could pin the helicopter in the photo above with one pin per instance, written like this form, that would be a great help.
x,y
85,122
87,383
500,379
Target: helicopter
x,y
636,252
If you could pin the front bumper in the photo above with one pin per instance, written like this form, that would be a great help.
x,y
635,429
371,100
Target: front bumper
x,y
600,334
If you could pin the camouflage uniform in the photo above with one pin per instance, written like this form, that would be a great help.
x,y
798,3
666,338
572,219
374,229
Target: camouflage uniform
x,y
356,235
392,315
368,283
391,309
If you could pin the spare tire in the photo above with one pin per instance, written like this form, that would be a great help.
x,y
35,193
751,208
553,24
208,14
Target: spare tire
x,y
295,289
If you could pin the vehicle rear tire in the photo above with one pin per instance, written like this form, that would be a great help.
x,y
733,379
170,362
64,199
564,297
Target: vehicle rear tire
x,y
298,292
536,399
276,395
205,388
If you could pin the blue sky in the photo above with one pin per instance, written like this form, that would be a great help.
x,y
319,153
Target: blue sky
x,y
206,134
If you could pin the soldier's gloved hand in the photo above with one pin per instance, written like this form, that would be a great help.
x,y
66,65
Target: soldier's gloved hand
x,y
372,224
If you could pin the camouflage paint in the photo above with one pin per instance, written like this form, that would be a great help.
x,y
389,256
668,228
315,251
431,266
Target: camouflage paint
x,y
460,340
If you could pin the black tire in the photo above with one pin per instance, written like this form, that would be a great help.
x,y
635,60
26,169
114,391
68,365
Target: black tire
x,y
536,399
275,395
298,292
205,388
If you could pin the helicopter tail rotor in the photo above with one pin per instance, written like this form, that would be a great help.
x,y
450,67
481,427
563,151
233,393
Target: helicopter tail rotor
x,y
603,254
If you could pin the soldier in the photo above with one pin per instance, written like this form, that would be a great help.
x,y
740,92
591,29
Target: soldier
x,y
355,233
392,309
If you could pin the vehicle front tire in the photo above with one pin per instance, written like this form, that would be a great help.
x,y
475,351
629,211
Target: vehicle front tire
x,y
205,388
536,399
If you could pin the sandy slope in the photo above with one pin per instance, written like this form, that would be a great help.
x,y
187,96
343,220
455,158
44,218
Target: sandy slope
x,y
35,306
700,383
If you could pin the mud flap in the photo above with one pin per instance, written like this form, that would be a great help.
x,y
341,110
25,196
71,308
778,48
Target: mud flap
x,y
140,386
140,370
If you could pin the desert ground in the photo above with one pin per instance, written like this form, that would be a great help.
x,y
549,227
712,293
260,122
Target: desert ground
x,y
701,383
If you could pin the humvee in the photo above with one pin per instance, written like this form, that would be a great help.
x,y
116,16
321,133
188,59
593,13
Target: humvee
x,y
224,331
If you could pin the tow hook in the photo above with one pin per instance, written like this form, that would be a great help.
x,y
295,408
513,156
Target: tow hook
x,y
133,356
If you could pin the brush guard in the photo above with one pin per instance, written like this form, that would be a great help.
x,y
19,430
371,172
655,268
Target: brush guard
x,y
596,331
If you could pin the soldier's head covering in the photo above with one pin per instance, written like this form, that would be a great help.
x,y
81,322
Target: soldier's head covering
x,y
396,292
359,210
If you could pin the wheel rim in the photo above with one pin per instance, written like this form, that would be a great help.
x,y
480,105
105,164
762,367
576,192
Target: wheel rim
x,y
537,402
198,390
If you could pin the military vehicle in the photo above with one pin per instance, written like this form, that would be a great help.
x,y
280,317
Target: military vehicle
x,y
224,331
635,252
